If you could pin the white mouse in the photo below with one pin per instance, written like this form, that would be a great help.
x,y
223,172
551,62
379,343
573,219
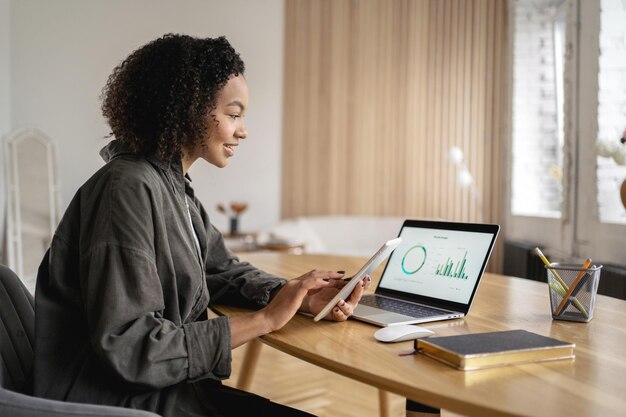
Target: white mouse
x,y
401,332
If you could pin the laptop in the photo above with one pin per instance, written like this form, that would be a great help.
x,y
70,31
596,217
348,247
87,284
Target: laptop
x,y
432,275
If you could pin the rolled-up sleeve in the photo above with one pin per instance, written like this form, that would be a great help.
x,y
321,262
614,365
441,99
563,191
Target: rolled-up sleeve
x,y
208,345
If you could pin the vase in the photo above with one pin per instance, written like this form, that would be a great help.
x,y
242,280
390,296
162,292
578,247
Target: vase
x,y
234,225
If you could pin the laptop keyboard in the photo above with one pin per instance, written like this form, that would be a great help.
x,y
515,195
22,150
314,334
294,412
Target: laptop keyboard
x,y
400,307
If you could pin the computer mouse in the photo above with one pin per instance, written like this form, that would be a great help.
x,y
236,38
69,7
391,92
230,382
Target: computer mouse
x,y
401,332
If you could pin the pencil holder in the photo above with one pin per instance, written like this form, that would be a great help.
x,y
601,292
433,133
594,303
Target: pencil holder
x,y
573,291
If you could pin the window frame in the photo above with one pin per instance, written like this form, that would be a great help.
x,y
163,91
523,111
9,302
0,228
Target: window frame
x,y
605,242
579,233
555,234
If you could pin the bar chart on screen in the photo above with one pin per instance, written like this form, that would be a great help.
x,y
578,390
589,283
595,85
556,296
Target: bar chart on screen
x,y
453,269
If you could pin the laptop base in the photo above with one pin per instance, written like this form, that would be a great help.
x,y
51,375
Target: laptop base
x,y
387,318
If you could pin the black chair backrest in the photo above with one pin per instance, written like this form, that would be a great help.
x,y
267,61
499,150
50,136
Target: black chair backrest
x,y
17,333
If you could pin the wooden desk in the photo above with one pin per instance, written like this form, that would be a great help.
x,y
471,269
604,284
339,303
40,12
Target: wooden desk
x,y
592,385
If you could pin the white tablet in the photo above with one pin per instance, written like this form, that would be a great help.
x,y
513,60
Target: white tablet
x,y
382,253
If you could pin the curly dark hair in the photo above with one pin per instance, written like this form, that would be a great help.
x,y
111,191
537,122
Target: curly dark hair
x,y
157,100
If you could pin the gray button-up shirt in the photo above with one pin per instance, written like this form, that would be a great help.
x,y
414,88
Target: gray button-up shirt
x,y
122,292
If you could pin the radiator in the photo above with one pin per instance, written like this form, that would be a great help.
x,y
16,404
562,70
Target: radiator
x,y
613,281
521,261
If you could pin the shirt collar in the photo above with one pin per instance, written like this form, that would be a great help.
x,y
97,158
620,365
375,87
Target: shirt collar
x,y
117,148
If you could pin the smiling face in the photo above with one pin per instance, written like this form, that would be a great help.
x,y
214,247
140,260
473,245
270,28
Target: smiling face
x,y
226,126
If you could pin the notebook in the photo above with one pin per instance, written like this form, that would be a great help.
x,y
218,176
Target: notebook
x,y
433,275
487,350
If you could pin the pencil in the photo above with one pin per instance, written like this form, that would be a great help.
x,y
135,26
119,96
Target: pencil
x,y
562,283
573,287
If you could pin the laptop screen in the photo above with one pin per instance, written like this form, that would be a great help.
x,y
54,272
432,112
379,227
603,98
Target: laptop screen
x,y
439,260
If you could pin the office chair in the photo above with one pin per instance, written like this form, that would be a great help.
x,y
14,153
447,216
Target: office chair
x,y
17,333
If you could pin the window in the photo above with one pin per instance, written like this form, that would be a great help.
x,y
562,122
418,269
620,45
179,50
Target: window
x,y
566,95
537,146
611,107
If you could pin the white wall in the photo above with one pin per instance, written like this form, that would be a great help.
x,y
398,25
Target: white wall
x,y
64,50
5,113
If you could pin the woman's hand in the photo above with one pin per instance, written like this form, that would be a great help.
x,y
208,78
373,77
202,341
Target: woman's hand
x,y
289,299
317,300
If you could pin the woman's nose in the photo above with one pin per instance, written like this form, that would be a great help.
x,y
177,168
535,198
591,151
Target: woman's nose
x,y
242,132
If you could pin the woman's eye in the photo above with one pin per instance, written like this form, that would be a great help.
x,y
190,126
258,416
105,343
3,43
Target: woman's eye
x,y
234,116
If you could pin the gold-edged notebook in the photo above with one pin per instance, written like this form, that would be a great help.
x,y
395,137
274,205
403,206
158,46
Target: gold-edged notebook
x,y
486,350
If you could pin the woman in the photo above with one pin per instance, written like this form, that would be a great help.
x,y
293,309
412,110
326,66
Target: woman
x,y
122,292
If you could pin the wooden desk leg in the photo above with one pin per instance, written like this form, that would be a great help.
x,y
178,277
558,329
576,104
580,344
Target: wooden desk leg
x,y
250,359
383,403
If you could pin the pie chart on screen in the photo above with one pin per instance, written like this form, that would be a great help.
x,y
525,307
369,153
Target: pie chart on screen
x,y
413,259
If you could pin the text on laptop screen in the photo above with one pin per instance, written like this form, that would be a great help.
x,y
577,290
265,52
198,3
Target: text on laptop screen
x,y
438,263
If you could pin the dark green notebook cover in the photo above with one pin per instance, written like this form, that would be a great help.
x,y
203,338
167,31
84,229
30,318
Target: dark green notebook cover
x,y
484,350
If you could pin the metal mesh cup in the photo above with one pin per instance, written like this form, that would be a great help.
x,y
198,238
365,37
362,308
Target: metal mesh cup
x,y
573,291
